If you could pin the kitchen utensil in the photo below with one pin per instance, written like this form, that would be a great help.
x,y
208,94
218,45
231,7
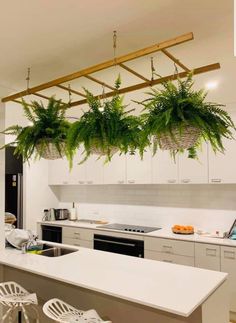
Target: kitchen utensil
x,y
52,215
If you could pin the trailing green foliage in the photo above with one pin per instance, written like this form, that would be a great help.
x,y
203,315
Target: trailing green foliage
x,y
107,127
177,106
48,125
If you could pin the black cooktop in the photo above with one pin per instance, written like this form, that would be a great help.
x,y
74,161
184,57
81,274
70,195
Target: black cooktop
x,y
128,227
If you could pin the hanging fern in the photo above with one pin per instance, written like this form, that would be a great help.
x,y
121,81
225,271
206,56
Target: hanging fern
x,y
106,128
48,125
178,106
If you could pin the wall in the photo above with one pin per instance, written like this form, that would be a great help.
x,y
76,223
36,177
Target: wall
x,y
37,195
208,207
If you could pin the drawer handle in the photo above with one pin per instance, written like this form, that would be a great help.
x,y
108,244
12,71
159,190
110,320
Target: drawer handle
x,y
90,182
81,182
169,261
131,181
76,244
167,249
64,182
216,180
229,254
210,252
77,233
186,180
171,181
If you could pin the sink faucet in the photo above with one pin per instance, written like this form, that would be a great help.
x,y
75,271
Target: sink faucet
x,y
26,245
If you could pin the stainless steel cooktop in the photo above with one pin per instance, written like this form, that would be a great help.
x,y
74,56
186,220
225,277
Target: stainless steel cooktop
x,y
130,228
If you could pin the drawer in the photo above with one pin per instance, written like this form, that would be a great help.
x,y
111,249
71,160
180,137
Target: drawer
x,y
170,246
228,253
83,234
170,258
207,256
78,242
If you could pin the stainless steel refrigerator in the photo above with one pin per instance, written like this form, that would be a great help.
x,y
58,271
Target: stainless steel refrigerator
x,y
14,186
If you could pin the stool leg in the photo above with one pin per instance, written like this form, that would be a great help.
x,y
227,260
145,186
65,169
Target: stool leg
x,y
36,313
19,316
25,315
6,315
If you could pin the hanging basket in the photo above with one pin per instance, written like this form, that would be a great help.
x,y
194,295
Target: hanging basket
x,y
185,139
50,150
102,152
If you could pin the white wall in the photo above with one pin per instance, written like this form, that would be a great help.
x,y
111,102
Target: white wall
x,y
37,195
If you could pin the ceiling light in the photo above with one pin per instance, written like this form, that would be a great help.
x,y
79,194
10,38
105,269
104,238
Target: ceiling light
x,y
211,85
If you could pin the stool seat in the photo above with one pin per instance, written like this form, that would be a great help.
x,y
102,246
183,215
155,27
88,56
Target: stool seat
x,y
15,297
60,311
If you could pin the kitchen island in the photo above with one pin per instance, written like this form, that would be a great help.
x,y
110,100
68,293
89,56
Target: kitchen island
x,y
122,288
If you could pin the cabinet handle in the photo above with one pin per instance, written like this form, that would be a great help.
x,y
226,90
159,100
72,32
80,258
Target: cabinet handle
x,y
171,181
216,180
131,181
120,182
167,249
210,252
77,233
81,182
89,182
169,261
186,180
64,182
229,254
76,244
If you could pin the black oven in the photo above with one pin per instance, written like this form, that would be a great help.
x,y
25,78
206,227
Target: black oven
x,y
130,247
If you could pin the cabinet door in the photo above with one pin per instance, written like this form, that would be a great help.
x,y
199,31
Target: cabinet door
x,y
77,174
221,166
207,256
139,171
228,265
114,172
194,170
94,170
164,168
58,172
173,259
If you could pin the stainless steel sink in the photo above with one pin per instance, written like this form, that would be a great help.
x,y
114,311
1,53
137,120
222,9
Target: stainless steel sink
x,y
50,251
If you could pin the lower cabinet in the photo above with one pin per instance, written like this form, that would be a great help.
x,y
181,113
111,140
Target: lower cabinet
x,y
228,265
77,237
170,258
207,256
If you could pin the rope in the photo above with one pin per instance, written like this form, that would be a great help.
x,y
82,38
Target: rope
x,y
69,94
28,81
114,44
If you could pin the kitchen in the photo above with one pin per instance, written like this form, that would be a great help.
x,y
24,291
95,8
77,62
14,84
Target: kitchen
x,y
127,206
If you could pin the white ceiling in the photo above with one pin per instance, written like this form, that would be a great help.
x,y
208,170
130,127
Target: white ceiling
x,y
57,37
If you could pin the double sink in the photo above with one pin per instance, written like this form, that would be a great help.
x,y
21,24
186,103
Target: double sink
x,y
52,251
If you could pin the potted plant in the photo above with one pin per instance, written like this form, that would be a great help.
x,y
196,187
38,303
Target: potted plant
x,y
105,128
179,118
45,136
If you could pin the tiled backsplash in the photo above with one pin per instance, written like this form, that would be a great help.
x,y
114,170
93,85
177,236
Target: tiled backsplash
x,y
208,207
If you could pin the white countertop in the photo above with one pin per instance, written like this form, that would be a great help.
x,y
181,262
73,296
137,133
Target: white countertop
x,y
168,287
162,233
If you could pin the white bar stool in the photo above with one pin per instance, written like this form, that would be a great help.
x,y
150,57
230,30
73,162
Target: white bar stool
x,y
17,300
62,312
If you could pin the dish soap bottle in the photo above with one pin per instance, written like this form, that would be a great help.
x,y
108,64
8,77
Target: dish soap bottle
x,y
73,216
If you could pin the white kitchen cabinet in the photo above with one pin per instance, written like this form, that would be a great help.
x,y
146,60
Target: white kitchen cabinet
x,y
77,174
139,170
228,265
221,166
164,168
58,172
78,242
79,233
207,256
170,258
94,170
114,172
194,171
170,246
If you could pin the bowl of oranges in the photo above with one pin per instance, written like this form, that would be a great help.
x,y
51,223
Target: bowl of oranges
x,y
183,229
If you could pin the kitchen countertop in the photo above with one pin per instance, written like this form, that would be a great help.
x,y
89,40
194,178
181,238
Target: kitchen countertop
x,y
151,283
162,233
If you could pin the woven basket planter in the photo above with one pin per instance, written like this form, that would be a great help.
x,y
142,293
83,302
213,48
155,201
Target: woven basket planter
x,y
184,140
101,152
50,151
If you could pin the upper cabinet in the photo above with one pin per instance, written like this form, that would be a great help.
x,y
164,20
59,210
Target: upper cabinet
x,y
114,172
139,171
58,172
164,168
221,166
194,170
94,170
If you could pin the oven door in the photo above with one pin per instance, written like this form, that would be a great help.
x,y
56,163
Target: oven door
x,y
122,246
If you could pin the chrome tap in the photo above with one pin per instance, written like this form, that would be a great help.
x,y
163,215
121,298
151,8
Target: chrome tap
x,y
31,242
